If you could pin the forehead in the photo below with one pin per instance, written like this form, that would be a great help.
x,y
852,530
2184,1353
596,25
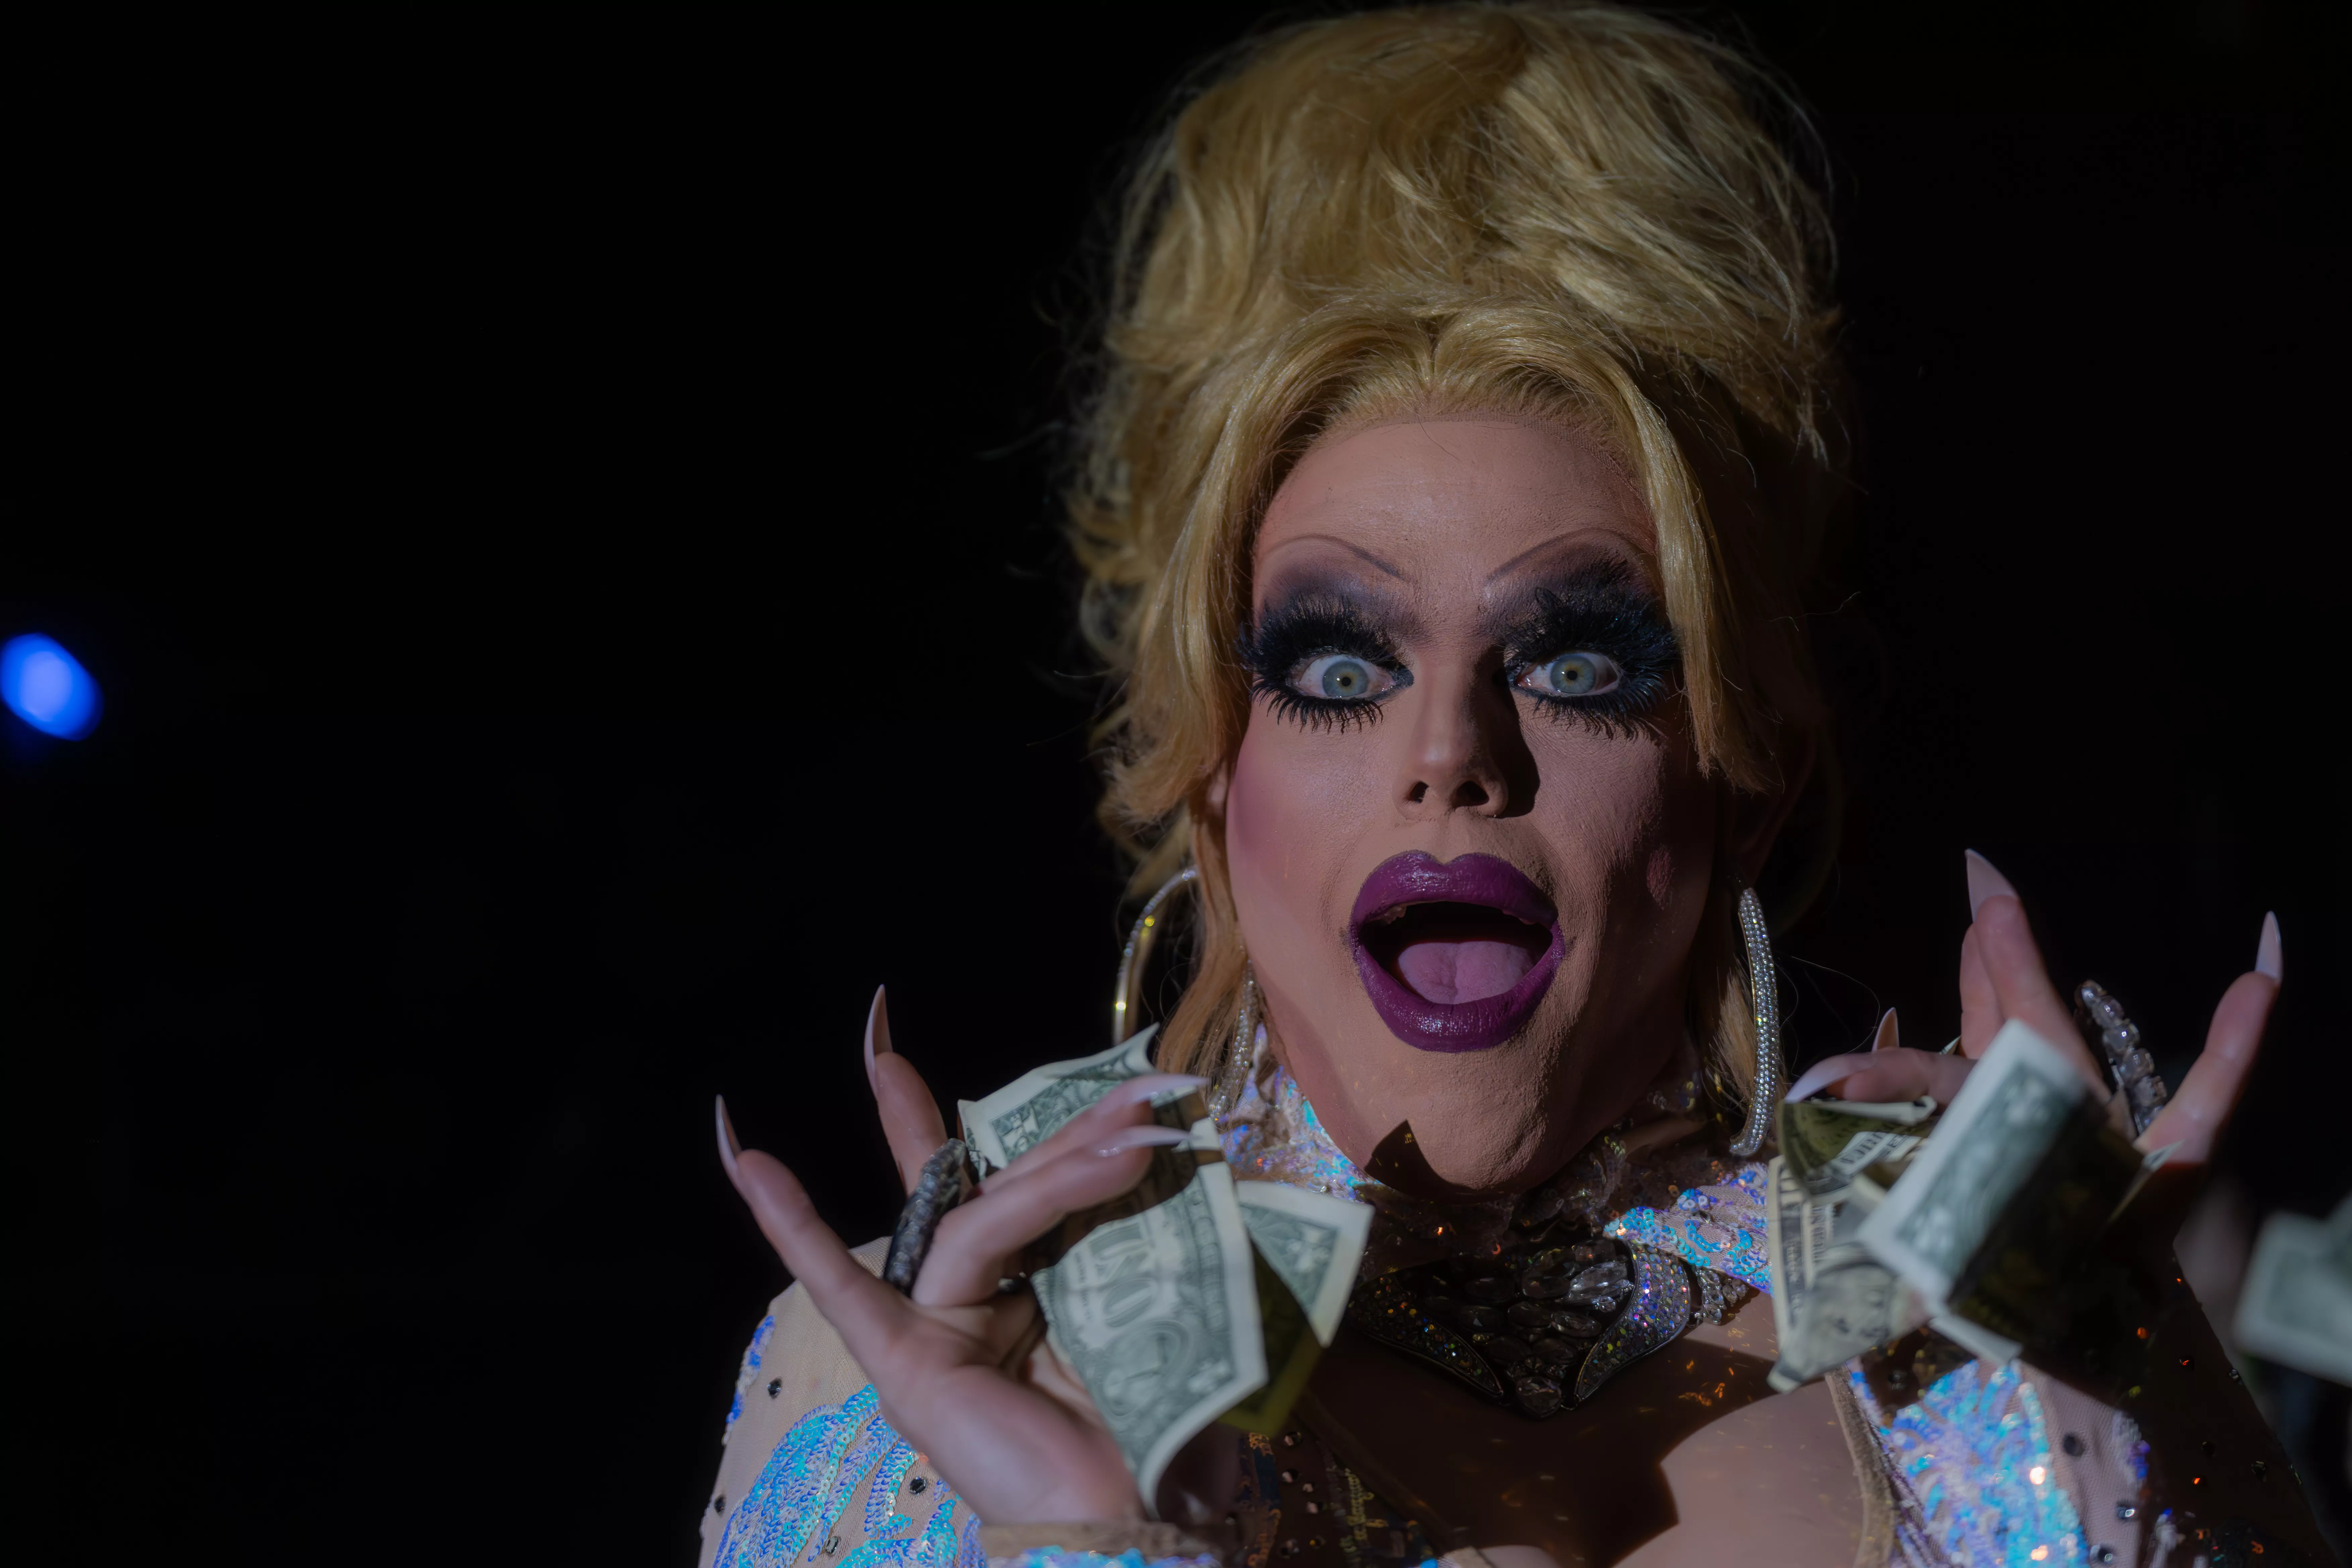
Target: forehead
x,y
1453,502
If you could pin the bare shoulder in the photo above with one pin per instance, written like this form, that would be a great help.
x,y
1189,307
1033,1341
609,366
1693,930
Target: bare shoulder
x,y
1771,1480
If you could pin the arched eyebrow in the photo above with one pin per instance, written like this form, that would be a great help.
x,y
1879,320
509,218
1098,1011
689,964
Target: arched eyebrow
x,y
1590,553
1385,567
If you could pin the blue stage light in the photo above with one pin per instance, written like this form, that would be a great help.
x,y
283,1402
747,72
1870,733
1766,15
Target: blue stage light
x,y
48,687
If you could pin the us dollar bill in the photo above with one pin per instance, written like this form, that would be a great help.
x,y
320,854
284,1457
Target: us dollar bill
x,y
1158,1315
1831,1300
1828,1142
1003,1126
1192,1297
2296,1307
1996,1210
1312,1241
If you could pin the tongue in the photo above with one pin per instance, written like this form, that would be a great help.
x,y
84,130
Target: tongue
x,y
1453,971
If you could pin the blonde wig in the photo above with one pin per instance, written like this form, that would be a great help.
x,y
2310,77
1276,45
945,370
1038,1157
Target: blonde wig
x,y
1569,212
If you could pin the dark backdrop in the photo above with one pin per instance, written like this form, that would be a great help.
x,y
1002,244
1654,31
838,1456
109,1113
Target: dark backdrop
x,y
561,511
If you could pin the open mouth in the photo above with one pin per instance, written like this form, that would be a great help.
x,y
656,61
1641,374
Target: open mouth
x,y
1451,953
1454,955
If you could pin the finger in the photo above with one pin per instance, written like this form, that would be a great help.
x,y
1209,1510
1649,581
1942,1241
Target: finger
x,y
910,1117
2022,986
1981,1015
1979,1008
977,1241
1886,1075
1122,1107
2199,1111
1984,882
865,1313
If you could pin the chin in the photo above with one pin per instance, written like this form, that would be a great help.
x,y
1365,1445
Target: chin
x,y
1482,1121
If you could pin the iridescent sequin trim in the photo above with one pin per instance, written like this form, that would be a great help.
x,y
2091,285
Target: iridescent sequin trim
x,y
1973,1471
1055,1557
752,1354
1720,1226
837,1461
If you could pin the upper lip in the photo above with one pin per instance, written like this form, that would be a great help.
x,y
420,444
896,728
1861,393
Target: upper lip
x,y
1417,878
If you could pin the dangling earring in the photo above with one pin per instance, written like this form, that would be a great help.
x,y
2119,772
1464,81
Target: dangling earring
x,y
1136,956
1764,1006
1240,1051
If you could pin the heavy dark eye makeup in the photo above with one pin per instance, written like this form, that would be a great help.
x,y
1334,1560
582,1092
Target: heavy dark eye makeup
x,y
1595,646
1323,661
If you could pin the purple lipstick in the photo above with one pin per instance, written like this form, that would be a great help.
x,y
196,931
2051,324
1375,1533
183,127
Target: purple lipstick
x,y
1454,955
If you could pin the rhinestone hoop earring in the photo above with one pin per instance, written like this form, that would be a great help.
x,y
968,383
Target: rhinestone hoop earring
x,y
1764,1006
1240,1051
1136,956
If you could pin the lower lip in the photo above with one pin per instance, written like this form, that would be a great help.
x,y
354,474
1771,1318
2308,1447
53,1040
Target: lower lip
x,y
1479,1025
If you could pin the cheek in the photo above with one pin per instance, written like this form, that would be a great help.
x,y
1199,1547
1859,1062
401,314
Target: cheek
x,y
1297,802
1637,828
1265,808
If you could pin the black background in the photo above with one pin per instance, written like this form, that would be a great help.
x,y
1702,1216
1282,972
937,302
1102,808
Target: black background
x,y
561,511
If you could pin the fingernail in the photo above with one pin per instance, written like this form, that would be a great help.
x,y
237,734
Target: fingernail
x,y
728,1147
1137,1089
1143,1138
1984,883
878,1035
1889,1035
2269,958
1818,1077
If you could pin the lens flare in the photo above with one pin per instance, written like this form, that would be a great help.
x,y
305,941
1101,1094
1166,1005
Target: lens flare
x,y
48,687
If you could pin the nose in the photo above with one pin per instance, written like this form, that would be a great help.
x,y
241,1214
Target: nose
x,y
1463,751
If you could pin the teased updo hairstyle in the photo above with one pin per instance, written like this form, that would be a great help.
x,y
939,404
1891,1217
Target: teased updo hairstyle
x,y
1565,211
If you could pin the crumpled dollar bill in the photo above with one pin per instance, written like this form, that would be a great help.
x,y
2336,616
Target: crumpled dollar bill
x,y
1192,1299
2297,1306
1974,1220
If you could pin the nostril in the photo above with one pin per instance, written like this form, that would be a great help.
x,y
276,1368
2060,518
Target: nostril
x,y
1470,793
1419,792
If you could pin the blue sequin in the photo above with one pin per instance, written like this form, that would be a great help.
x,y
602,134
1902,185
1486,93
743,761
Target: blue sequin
x,y
1057,1557
1720,1226
882,1515
752,1354
1974,1453
837,1458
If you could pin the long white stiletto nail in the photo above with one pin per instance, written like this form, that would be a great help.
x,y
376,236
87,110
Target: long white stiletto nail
x,y
1983,882
1820,1075
1890,1035
1134,1090
2269,957
878,1035
728,1147
1143,1138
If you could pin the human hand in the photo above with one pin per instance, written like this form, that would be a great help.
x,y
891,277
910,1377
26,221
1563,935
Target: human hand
x,y
1022,1443
2003,977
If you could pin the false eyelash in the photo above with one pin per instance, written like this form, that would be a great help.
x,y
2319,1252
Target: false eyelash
x,y
1291,634
1606,612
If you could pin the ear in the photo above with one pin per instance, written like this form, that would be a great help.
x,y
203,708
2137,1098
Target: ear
x,y
1756,820
1214,796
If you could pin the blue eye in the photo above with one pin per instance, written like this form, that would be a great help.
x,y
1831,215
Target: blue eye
x,y
1341,677
1577,673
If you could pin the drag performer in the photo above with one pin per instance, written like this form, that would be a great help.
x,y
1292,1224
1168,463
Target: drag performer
x,y
1470,428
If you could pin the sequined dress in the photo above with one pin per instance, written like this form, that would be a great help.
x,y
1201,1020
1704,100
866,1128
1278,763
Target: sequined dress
x,y
1963,1469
